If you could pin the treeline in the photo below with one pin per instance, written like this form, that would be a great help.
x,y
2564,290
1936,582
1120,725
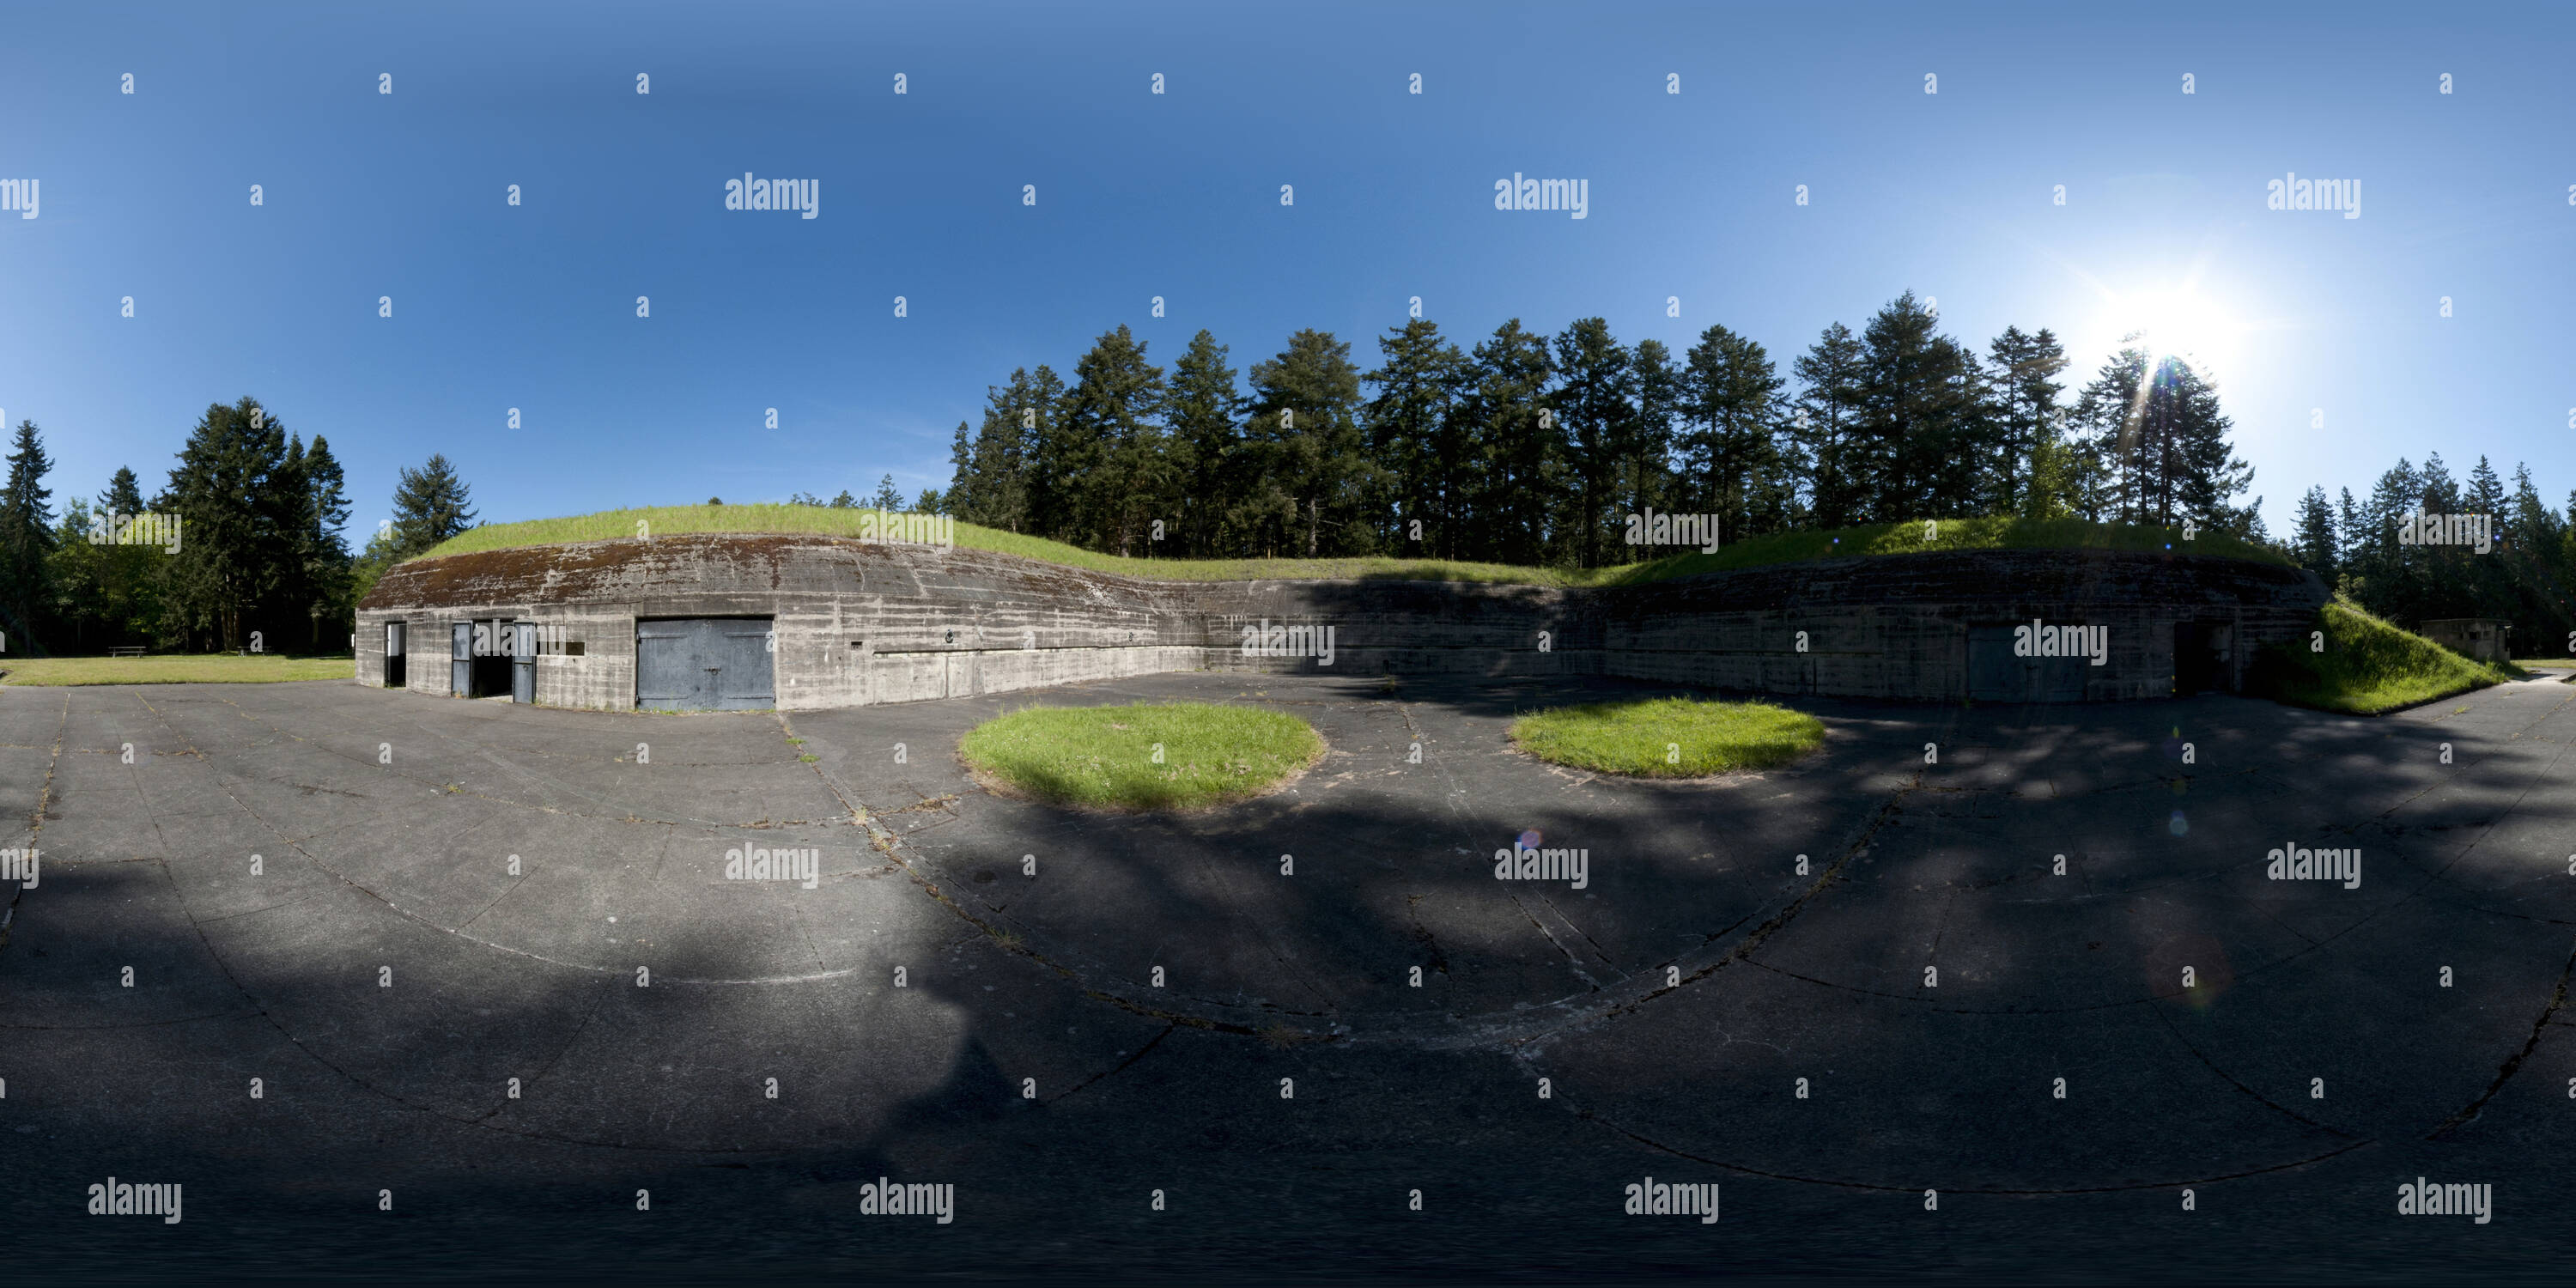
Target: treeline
x,y
2527,576
1531,449
260,545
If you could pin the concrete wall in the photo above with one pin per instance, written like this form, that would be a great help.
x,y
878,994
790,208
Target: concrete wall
x,y
860,623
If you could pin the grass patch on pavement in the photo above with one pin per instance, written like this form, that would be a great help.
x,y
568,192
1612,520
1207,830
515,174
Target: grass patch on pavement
x,y
2368,667
1668,737
1157,756
175,668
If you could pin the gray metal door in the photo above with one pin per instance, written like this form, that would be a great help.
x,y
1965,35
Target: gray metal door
x,y
744,683
1996,674
394,655
703,664
523,661
460,665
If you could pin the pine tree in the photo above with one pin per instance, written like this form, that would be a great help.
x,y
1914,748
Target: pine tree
x,y
431,504
233,548
1646,451
2379,575
2318,545
2026,393
1731,405
2158,427
1305,412
2351,530
2206,473
1207,447
1416,384
124,494
2486,491
1925,428
961,476
1827,427
1115,469
1595,382
887,497
26,540
288,501
2436,490
1504,391
1044,468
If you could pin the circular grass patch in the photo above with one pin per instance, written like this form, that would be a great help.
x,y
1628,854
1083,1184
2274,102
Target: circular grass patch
x,y
1669,737
1165,755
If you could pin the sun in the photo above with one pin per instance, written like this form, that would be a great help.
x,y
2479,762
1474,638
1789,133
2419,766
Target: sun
x,y
2179,323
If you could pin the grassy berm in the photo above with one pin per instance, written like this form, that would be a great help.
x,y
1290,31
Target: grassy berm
x,y
2367,667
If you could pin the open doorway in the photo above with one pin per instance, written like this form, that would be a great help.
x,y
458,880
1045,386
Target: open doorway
x,y
2202,657
479,662
395,675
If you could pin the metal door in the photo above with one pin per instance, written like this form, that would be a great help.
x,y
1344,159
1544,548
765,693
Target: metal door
x,y
1997,674
744,683
523,662
394,676
1994,674
460,664
703,664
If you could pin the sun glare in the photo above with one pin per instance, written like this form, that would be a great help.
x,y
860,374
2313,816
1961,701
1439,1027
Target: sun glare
x,y
2180,323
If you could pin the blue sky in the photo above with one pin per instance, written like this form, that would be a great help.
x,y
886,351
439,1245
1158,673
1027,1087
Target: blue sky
x,y
367,195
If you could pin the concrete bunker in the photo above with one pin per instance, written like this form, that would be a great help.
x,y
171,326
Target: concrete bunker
x,y
734,621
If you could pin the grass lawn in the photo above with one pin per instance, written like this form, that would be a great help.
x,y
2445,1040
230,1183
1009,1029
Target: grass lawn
x,y
1788,547
175,668
1668,737
1171,755
2368,667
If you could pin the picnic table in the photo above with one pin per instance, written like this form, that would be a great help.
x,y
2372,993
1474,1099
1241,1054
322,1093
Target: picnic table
x,y
126,650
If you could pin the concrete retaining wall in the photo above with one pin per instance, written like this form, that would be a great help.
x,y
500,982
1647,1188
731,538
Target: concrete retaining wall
x,y
859,623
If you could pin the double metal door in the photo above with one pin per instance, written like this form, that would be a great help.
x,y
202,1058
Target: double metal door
x,y
704,664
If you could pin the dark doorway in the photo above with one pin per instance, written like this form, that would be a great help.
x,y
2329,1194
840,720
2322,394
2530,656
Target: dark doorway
x,y
479,659
2201,656
703,664
395,676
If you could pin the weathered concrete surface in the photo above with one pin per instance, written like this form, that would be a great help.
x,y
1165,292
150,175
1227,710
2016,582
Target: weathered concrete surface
x,y
862,623
1913,1085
